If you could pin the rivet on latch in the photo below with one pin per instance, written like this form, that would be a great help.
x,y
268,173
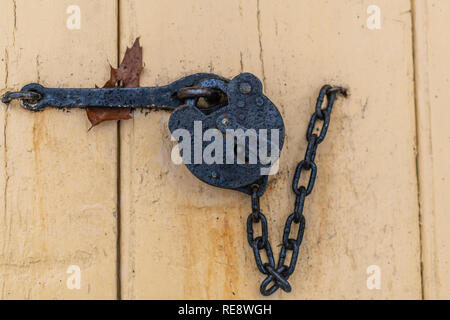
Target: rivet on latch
x,y
241,104
259,101
245,88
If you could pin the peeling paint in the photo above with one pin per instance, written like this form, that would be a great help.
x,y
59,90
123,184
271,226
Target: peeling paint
x,y
6,67
15,22
38,75
261,53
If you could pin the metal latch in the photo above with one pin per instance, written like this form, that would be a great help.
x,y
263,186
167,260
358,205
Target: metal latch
x,y
235,109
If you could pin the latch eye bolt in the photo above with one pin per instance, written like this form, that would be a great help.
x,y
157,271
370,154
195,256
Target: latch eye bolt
x,y
30,96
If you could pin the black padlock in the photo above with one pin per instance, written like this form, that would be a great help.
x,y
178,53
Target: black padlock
x,y
247,118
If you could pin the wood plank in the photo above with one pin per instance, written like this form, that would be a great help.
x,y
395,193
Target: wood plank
x,y
184,239
58,181
432,81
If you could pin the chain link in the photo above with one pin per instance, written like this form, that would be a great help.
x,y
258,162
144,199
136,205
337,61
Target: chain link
x,y
280,274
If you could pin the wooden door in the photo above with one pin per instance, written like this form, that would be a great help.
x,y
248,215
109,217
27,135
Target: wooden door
x,y
111,202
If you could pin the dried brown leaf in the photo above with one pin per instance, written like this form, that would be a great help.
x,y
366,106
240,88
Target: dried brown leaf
x,y
127,76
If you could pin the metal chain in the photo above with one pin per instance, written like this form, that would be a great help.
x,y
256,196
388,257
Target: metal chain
x,y
280,273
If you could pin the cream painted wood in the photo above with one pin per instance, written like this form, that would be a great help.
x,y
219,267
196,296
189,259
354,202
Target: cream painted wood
x,y
58,181
432,50
183,239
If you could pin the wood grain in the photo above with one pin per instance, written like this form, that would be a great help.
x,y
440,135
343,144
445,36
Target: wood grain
x,y
58,181
433,132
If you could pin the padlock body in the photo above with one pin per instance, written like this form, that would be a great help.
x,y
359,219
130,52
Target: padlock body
x,y
237,144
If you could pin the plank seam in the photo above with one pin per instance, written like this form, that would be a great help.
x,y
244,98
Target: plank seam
x,y
416,114
5,148
118,187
